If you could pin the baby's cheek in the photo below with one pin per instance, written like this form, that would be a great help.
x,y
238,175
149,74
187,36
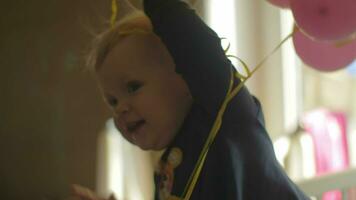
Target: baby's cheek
x,y
117,123
119,127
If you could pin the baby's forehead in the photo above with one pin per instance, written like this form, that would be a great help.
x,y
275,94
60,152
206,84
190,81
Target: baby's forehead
x,y
138,55
129,49
145,48
140,44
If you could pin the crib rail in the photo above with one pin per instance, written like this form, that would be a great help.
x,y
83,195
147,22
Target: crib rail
x,y
343,181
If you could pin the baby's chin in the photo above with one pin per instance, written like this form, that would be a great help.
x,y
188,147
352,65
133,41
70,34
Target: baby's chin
x,y
151,147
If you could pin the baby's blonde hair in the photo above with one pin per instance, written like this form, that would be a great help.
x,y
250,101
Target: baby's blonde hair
x,y
134,23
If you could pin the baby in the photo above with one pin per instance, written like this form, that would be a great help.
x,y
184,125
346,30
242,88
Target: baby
x,y
167,80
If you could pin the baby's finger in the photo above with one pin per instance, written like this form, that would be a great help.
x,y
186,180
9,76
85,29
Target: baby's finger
x,y
83,193
112,197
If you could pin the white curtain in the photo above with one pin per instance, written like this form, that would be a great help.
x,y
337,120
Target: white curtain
x,y
123,169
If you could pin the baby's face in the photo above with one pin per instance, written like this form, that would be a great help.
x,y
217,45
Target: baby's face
x,y
148,98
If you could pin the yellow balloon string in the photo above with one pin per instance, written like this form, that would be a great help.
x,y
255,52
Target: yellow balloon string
x,y
194,176
114,8
258,66
218,121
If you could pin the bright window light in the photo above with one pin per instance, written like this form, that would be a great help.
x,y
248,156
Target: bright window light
x,y
292,97
221,18
123,169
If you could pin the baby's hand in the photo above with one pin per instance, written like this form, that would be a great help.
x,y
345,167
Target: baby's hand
x,y
83,193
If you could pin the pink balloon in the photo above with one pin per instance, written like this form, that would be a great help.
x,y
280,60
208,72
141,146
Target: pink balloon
x,y
326,20
324,56
280,3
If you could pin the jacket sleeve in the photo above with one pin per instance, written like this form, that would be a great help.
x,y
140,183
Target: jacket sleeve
x,y
195,48
244,168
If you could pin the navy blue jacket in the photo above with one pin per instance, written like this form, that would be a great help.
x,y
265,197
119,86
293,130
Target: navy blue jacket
x,y
241,163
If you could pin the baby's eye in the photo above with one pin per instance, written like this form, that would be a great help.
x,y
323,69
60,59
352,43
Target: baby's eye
x,y
133,86
112,101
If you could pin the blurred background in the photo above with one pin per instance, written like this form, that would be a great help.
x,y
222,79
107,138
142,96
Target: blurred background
x,y
55,129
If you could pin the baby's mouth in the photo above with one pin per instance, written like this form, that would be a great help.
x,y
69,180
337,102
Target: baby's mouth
x,y
134,126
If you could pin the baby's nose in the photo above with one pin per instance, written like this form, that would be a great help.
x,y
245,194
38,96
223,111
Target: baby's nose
x,y
122,108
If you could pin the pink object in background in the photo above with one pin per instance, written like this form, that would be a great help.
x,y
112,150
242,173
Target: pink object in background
x,y
324,56
328,130
326,20
280,3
